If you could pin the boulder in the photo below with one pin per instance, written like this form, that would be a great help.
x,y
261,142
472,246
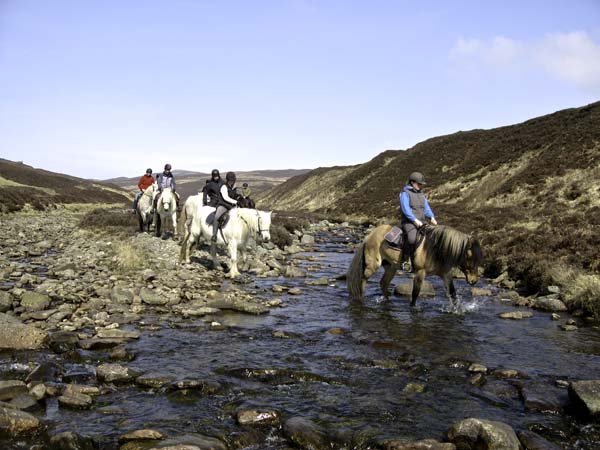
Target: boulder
x,y
5,301
427,444
257,417
549,303
121,295
9,389
516,315
307,239
292,271
143,434
150,297
34,301
13,421
111,373
18,336
480,434
533,441
586,396
70,440
305,434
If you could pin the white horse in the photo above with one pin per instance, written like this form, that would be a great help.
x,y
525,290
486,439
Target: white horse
x,y
243,223
166,208
144,207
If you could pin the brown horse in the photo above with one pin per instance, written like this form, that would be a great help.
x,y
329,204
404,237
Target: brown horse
x,y
440,249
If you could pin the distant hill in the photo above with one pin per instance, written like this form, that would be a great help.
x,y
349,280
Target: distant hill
x,y
21,184
531,190
189,183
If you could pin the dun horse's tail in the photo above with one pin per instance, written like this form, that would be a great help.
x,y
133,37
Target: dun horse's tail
x,y
354,277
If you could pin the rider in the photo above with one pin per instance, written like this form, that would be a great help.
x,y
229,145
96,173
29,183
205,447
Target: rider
x,y
210,195
245,190
145,181
166,180
225,203
414,209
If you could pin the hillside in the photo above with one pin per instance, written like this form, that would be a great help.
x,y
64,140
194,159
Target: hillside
x,y
189,183
21,184
531,190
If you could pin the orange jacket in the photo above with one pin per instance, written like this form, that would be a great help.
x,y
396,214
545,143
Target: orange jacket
x,y
145,182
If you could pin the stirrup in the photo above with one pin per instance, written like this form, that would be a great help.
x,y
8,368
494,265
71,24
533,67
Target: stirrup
x,y
407,266
213,238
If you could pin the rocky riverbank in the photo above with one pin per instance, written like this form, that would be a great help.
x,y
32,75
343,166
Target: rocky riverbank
x,y
75,303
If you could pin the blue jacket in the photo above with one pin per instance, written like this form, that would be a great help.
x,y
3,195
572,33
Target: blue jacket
x,y
405,204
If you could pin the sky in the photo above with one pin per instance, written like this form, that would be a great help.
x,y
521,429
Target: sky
x,y
101,89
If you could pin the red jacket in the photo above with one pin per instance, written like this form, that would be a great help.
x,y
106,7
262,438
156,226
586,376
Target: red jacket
x,y
145,182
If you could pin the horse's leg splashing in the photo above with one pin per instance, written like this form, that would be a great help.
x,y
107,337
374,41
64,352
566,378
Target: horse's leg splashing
x,y
455,301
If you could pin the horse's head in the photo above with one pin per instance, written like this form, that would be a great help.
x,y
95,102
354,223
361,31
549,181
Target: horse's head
x,y
472,261
264,225
166,198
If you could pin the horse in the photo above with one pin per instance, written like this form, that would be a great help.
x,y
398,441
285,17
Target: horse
x,y
166,208
440,249
144,207
243,223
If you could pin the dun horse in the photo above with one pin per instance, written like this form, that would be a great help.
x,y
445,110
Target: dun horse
x,y
440,249
166,209
243,223
144,207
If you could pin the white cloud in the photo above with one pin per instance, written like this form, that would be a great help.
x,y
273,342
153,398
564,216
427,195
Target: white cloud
x,y
571,57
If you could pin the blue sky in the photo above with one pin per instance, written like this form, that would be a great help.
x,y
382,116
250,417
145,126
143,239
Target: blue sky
x,y
106,88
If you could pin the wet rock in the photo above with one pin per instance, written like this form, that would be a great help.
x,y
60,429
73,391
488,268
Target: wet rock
x,y
294,248
547,399
99,344
6,302
258,417
191,442
477,368
427,444
533,441
199,311
117,334
295,291
151,297
63,341
307,239
18,336
516,315
414,388
550,303
305,434
586,396
114,373
569,327
23,401
204,386
480,292
478,379
14,421
278,289
9,389
76,400
120,353
70,440
480,434
144,434
38,391
555,316
33,301
292,271
154,380
336,331
506,373
405,289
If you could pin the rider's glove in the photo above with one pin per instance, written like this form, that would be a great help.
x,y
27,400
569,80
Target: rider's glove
x,y
433,221
418,223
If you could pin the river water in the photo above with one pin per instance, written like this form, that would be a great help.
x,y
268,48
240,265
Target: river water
x,y
364,371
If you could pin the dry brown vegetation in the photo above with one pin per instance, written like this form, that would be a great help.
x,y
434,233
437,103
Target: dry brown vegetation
x,y
22,185
530,191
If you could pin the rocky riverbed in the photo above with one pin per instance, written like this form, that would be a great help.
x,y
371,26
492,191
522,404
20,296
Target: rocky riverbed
x,y
110,343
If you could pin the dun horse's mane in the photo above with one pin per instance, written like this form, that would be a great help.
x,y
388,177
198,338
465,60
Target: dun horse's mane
x,y
447,245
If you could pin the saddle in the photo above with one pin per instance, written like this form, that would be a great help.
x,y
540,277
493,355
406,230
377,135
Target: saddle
x,y
395,238
222,221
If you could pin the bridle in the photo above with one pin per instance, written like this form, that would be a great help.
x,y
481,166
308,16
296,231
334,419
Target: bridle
x,y
259,221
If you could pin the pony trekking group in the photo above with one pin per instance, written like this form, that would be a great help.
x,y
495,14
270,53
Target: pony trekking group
x,y
220,207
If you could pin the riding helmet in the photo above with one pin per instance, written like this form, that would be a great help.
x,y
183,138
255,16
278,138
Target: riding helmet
x,y
167,166
245,185
215,172
230,176
149,171
417,177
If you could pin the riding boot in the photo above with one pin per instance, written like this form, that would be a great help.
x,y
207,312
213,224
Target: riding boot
x,y
407,257
215,230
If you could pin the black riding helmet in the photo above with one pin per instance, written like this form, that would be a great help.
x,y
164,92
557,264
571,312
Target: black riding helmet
x,y
417,177
149,171
167,166
214,173
230,176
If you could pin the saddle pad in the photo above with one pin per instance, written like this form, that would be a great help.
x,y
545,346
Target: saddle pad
x,y
394,237
211,218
